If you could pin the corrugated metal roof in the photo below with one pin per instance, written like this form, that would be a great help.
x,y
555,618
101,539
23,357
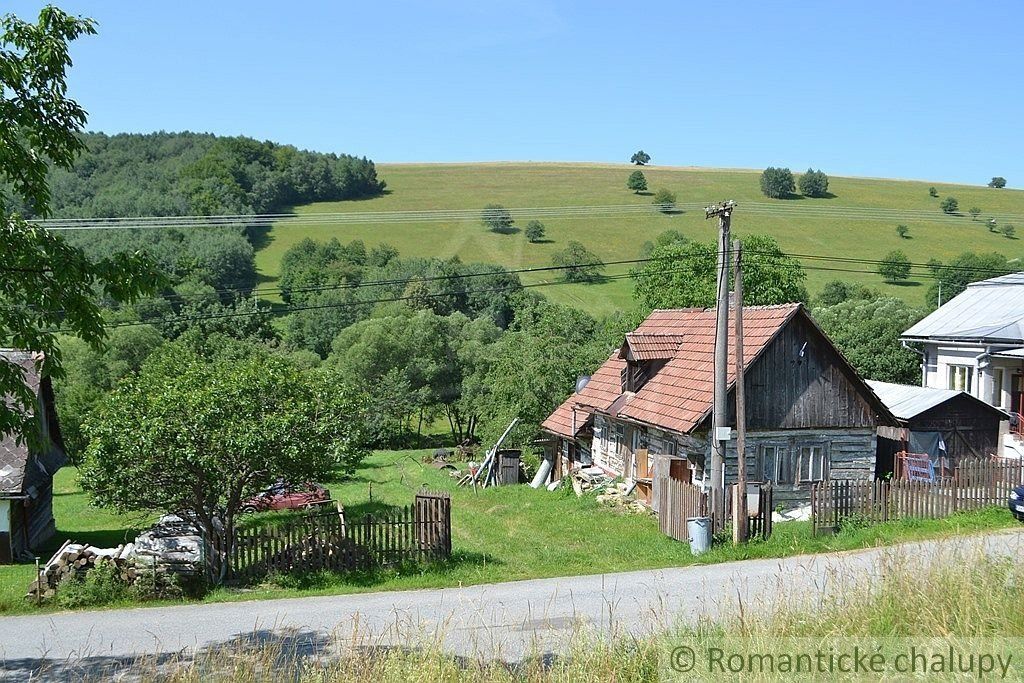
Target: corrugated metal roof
x,y
907,402
990,311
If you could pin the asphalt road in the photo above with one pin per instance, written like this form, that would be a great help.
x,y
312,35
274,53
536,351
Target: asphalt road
x,y
503,620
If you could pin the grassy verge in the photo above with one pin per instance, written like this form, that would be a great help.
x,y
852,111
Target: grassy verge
x,y
513,533
960,602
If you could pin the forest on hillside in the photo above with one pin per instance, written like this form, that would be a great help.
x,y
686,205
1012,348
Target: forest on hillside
x,y
196,174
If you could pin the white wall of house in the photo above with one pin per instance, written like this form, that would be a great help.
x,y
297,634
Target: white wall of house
x,y
971,369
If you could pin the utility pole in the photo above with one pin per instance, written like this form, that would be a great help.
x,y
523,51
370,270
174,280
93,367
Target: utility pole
x,y
718,427
740,532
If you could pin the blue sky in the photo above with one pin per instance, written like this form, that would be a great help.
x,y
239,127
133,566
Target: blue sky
x,y
924,90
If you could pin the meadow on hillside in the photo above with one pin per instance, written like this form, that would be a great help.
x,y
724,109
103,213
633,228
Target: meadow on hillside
x,y
857,220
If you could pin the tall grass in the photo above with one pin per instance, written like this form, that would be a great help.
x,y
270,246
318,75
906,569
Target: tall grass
x,y
958,594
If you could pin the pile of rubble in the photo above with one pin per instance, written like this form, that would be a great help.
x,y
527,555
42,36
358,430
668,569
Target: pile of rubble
x,y
617,494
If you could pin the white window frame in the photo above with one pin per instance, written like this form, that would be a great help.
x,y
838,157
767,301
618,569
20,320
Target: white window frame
x,y
812,463
960,377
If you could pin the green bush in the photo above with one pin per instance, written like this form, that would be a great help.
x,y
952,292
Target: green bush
x,y
665,200
101,585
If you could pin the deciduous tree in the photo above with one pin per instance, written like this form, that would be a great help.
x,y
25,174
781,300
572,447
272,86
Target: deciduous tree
x,y
949,205
578,263
497,218
640,158
197,437
46,284
895,266
997,182
814,183
534,231
867,331
637,182
777,182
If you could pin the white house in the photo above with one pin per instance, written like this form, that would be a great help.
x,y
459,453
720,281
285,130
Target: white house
x,y
975,343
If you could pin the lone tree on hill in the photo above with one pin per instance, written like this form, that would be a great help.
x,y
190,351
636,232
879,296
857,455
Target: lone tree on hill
x,y
777,182
975,212
932,192
949,205
902,231
497,218
640,158
579,264
637,182
895,266
997,182
534,231
814,183
665,200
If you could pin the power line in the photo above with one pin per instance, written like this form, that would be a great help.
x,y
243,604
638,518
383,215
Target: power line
x,y
451,215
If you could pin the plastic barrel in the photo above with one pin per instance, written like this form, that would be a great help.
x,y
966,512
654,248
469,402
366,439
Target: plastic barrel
x,y
699,531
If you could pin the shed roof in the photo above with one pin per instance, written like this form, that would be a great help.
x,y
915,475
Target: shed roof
x,y
15,452
987,311
907,402
651,345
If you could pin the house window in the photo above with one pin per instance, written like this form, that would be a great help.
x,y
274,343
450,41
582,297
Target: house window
x,y
813,463
776,464
961,377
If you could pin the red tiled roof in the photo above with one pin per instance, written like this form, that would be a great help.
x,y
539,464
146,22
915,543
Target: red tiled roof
x,y
604,387
653,346
680,394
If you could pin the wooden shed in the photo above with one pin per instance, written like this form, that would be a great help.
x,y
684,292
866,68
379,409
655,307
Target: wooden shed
x,y
945,424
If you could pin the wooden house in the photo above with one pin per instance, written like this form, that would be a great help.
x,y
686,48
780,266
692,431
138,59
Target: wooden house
x,y
645,414
944,424
27,468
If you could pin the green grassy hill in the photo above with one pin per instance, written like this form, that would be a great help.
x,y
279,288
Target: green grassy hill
x,y
858,221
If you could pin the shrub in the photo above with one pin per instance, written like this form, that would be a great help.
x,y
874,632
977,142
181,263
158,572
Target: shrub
x,y
101,585
1007,230
534,231
777,182
665,200
949,205
932,192
975,212
902,231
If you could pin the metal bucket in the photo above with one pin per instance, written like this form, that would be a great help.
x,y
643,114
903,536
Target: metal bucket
x,y
699,531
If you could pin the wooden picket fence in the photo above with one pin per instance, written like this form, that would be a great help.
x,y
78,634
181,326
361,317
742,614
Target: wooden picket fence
x,y
326,540
680,500
975,484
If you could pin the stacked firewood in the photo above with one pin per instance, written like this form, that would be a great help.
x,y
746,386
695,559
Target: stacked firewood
x,y
77,558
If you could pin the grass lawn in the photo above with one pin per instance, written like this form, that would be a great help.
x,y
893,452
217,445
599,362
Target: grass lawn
x,y
500,534
798,224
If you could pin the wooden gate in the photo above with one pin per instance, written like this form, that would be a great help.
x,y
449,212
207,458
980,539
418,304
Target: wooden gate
x,y
678,501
